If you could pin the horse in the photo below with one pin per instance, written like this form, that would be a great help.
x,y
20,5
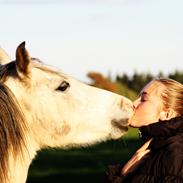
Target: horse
x,y
42,107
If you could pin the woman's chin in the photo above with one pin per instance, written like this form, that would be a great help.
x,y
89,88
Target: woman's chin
x,y
134,126
132,123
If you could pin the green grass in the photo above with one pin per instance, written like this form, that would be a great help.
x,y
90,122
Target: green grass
x,y
82,165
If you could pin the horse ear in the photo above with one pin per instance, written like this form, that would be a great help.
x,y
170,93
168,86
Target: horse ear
x,y
4,58
22,59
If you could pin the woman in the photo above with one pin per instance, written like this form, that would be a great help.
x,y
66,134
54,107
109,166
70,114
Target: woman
x,y
158,112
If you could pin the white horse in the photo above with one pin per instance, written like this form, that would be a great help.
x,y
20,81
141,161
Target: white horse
x,y
42,107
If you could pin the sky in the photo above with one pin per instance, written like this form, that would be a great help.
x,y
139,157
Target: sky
x,y
107,36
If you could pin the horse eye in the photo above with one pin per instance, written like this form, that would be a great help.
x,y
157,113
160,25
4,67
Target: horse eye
x,y
63,86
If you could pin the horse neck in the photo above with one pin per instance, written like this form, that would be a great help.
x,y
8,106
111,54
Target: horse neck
x,y
18,168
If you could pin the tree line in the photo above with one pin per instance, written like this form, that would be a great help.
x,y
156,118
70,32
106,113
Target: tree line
x,y
138,80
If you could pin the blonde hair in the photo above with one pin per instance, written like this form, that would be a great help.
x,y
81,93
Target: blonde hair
x,y
172,94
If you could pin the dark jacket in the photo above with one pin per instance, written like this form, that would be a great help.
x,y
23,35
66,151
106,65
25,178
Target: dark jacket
x,y
164,163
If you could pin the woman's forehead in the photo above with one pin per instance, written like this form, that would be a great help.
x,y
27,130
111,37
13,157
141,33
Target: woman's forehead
x,y
152,88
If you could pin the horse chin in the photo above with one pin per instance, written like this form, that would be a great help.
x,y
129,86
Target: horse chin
x,y
119,128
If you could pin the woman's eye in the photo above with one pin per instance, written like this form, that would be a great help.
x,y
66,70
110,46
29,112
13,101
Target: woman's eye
x,y
63,86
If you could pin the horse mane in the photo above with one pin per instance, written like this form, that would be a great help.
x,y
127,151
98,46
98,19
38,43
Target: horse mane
x,y
12,125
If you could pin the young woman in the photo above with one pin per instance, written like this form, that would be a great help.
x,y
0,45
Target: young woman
x,y
158,113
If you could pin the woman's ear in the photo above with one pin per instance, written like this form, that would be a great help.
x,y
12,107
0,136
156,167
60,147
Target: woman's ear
x,y
167,114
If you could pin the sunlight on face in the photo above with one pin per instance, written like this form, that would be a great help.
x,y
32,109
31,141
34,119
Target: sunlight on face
x,y
148,106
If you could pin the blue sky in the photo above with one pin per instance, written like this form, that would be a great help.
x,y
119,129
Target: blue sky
x,y
78,36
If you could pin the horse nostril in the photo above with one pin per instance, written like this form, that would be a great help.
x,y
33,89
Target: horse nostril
x,y
133,107
121,104
126,104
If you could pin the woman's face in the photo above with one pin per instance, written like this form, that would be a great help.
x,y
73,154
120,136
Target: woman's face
x,y
148,106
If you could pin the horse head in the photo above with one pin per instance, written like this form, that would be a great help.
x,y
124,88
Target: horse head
x,y
58,110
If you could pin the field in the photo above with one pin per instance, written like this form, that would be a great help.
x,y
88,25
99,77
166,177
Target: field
x,y
82,165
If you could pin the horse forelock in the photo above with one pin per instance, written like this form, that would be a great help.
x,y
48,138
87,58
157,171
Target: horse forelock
x,y
10,70
12,130
7,71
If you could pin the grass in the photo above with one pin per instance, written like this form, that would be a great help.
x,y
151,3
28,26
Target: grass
x,y
82,165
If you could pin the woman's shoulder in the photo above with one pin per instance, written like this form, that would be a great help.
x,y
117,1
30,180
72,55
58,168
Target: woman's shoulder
x,y
175,146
